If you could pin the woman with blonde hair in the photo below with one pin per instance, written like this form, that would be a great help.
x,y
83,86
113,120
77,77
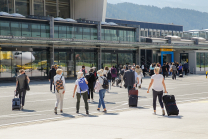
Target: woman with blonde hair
x,y
158,83
101,91
81,87
59,83
138,70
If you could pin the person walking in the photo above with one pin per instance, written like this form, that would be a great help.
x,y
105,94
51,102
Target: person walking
x,y
83,70
138,70
59,82
164,70
21,86
121,75
113,74
170,67
52,73
167,72
185,67
91,81
158,83
180,69
174,69
143,69
101,91
129,78
109,78
81,89
151,69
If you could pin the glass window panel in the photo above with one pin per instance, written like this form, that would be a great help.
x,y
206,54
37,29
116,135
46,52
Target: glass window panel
x,y
7,6
107,34
35,30
36,63
22,7
51,8
56,31
45,31
16,29
62,31
114,35
39,7
64,10
5,63
42,66
202,61
108,60
78,32
86,33
63,62
206,61
26,30
79,61
94,34
70,64
103,34
5,28
70,31
198,65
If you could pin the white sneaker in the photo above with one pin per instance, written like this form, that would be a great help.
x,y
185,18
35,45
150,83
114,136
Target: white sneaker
x,y
88,100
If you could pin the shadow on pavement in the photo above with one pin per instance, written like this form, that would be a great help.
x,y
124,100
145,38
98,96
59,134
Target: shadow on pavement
x,y
67,115
26,110
112,93
111,114
138,108
94,102
171,116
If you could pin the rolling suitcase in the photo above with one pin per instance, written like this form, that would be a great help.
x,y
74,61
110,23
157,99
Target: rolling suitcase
x,y
133,97
16,103
170,105
180,75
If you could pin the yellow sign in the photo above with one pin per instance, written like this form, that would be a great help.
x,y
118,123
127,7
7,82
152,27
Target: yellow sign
x,y
165,49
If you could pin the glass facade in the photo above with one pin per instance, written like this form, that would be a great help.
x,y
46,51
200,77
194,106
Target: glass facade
x,y
202,61
51,9
22,7
32,61
84,32
25,29
115,34
7,6
39,7
64,8
88,59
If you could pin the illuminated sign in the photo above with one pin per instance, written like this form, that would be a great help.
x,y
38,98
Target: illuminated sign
x,y
165,49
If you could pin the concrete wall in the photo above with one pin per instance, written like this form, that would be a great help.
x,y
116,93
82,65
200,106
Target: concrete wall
x,y
94,10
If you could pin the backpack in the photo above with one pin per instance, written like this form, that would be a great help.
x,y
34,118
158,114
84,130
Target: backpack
x,y
95,73
122,72
105,83
109,76
113,71
59,85
82,84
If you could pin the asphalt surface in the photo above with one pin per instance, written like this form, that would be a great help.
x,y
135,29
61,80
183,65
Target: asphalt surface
x,y
40,101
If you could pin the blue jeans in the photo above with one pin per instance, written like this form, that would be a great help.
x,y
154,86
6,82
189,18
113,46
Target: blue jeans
x,y
101,96
109,83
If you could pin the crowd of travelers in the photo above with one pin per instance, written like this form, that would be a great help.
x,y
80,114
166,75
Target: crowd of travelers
x,y
101,81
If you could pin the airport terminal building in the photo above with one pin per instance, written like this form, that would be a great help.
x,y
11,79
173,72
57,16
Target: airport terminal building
x,y
35,34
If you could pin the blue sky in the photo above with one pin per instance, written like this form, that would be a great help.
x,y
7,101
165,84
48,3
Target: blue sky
x,y
199,5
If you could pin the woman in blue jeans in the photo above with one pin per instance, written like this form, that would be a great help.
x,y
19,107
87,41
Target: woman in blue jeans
x,y
101,91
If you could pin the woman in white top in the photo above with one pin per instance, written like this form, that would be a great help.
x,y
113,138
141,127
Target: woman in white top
x,y
59,93
158,83
84,93
101,91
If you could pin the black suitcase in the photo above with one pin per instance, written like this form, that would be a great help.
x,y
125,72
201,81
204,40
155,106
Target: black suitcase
x,y
16,103
170,105
180,75
133,100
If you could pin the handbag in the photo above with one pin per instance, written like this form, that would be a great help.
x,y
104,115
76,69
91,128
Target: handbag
x,y
27,87
171,70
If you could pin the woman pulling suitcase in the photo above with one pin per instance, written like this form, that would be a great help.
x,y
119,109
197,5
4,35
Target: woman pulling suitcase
x,y
158,83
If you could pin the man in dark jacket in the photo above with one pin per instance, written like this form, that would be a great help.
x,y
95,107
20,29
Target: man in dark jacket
x,y
91,79
185,67
52,73
129,78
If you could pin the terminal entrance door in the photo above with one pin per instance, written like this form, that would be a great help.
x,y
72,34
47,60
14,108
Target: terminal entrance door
x,y
183,58
167,55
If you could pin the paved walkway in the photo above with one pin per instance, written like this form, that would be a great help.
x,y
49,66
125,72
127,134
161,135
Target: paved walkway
x,y
191,123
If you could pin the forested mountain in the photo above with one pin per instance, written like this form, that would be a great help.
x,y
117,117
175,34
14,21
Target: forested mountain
x,y
190,19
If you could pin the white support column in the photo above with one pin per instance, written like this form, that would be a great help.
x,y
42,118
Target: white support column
x,y
31,3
